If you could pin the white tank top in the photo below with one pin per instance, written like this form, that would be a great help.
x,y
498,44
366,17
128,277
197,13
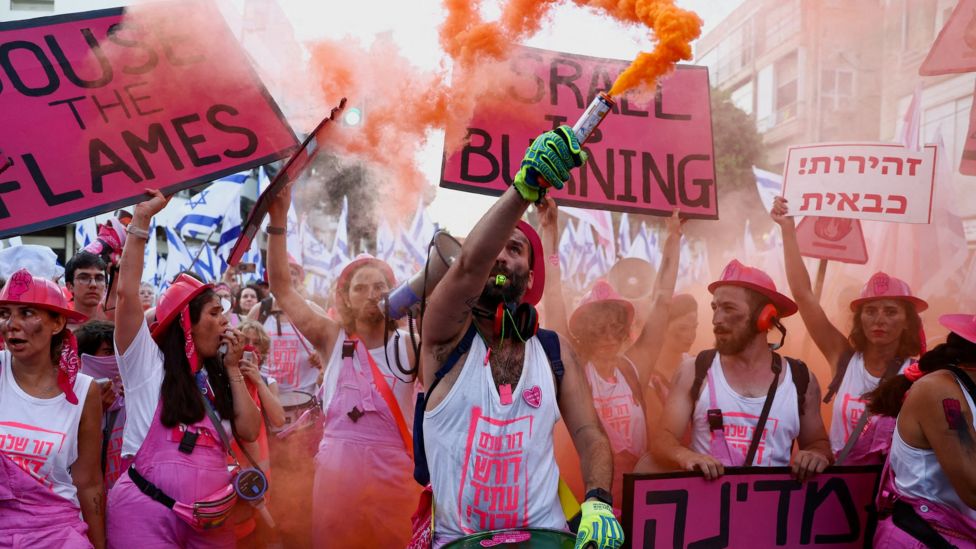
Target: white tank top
x,y
287,360
848,402
492,465
41,434
741,414
621,415
918,473
404,388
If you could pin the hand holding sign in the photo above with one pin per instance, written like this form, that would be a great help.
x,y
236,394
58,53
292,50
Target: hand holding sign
x,y
147,209
693,461
781,213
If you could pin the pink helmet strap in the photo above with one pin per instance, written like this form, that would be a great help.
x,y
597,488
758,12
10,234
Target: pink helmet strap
x,y
68,367
188,345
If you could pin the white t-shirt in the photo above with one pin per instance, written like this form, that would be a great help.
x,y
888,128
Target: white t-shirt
x,y
41,434
288,359
622,417
403,388
849,403
741,415
918,473
491,463
141,368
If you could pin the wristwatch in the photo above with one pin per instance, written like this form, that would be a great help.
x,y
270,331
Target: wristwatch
x,y
600,494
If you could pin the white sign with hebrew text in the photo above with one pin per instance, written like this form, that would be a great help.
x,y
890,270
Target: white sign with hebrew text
x,y
872,181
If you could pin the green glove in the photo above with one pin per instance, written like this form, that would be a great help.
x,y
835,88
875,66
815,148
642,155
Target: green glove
x,y
547,163
599,527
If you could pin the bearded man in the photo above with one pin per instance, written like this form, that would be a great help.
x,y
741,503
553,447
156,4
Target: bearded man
x,y
745,403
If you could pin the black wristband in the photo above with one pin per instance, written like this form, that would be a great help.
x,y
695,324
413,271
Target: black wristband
x,y
270,229
600,494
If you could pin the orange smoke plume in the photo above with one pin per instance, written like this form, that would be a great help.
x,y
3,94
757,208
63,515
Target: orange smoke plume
x,y
468,39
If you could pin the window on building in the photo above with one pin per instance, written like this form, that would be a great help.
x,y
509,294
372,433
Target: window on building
x,y
742,97
764,98
31,5
837,88
782,23
734,52
786,79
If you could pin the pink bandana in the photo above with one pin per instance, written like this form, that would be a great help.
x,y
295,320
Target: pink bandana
x,y
188,346
913,373
68,367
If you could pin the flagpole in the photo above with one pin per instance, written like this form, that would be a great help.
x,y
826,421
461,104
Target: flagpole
x,y
206,242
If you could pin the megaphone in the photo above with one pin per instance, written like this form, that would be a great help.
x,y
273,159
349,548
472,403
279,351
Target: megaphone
x,y
407,296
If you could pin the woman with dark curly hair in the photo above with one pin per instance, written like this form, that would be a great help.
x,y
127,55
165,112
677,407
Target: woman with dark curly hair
x,y
928,489
886,334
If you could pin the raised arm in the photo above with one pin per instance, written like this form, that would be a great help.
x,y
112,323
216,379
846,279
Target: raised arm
x,y
320,330
548,159
451,301
666,444
128,314
553,300
828,338
645,351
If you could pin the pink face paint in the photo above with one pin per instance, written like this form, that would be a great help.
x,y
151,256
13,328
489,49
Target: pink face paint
x,y
505,394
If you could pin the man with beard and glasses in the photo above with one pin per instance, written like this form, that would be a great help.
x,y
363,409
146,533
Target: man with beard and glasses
x,y
489,418
723,392
363,493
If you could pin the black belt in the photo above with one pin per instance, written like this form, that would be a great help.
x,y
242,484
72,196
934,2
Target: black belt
x,y
149,488
904,516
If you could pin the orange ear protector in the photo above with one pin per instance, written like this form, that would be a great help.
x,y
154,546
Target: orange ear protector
x,y
767,318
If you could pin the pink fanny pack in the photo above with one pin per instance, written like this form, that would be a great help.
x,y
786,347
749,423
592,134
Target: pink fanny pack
x,y
204,514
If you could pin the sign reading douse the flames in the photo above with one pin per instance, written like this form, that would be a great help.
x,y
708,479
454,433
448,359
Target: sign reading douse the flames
x,y
644,158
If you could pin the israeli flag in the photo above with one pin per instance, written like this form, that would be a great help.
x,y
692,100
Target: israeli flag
x,y
623,235
204,212
207,264
769,184
178,258
86,231
150,258
230,231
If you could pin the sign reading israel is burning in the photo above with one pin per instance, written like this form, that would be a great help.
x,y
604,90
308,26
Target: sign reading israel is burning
x,y
644,158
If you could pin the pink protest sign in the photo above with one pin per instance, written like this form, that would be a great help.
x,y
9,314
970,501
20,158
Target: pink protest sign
x,y
96,107
750,507
643,158
873,181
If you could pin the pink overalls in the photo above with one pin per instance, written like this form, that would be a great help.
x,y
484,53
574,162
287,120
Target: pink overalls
x,y
957,529
364,488
33,516
136,521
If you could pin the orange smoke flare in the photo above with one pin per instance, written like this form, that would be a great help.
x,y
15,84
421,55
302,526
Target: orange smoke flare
x,y
468,39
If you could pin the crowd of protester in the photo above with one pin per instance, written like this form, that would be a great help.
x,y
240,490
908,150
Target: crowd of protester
x,y
131,419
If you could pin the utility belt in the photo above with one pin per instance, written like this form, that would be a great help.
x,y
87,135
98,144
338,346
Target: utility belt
x,y
212,511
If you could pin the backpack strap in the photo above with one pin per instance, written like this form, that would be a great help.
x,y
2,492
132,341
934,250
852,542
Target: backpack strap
x,y
550,344
702,363
421,472
840,369
801,380
630,376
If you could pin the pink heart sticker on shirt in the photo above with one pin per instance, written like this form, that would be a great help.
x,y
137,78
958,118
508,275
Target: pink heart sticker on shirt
x,y
533,396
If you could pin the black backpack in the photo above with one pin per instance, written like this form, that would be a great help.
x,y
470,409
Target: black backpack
x,y
550,343
801,375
